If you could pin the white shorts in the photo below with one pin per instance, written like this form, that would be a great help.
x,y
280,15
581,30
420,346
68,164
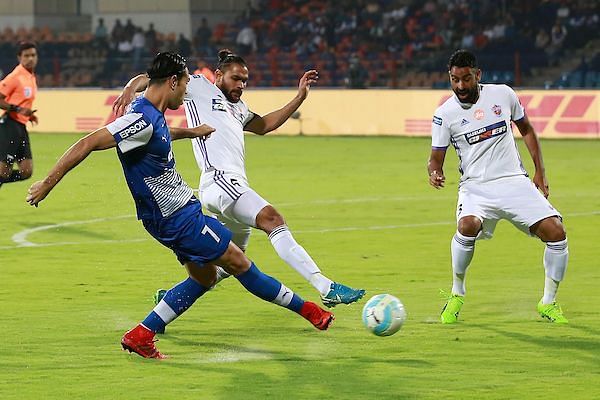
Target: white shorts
x,y
515,199
234,203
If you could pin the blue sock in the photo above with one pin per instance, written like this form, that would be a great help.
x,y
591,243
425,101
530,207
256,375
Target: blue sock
x,y
269,289
177,299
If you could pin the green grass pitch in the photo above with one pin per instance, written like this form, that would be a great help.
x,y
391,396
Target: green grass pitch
x,y
363,209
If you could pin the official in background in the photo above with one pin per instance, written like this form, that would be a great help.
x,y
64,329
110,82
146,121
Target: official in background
x,y
17,93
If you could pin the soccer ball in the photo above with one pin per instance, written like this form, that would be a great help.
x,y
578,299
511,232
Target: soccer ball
x,y
383,315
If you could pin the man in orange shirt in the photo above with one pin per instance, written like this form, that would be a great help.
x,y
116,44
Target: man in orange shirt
x,y
203,69
17,92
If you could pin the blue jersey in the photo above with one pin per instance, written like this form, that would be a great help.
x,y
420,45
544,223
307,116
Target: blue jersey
x,y
144,148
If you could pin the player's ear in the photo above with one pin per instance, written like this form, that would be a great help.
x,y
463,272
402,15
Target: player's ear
x,y
174,82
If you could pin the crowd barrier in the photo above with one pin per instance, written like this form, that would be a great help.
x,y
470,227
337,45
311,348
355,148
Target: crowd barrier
x,y
554,113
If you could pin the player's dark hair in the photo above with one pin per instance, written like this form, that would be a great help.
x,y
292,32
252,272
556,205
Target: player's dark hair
x,y
226,58
462,58
22,46
164,66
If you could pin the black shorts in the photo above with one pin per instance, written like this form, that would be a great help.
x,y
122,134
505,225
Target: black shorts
x,y
14,141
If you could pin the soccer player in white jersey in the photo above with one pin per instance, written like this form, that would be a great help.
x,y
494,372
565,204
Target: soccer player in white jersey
x,y
494,184
224,188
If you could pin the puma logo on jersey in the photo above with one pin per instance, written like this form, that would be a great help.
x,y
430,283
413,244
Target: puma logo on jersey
x,y
486,132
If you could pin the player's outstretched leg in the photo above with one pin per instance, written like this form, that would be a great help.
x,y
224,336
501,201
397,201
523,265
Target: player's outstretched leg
x,y
174,303
332,293
270,289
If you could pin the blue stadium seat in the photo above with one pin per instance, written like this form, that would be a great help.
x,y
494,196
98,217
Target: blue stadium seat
x,y
591,79
562,81
575,79
508,77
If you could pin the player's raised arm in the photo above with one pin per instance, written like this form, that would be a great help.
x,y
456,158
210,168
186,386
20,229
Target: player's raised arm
x,y
273,120
135,85
100,139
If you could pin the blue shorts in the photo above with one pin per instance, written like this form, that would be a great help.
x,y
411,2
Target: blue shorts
x,y
191,235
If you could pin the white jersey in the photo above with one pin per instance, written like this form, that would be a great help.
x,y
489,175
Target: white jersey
x,y
481,134
224,151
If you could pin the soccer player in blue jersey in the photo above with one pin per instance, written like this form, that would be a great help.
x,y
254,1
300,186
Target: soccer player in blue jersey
x,y
168,209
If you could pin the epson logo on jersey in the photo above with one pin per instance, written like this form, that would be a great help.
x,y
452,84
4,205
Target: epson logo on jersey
x,y
486,132
133,128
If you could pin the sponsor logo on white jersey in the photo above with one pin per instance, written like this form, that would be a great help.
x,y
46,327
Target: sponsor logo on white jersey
x,y
486,132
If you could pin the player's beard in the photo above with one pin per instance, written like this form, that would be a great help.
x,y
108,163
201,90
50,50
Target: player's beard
x,y
234,96
472,95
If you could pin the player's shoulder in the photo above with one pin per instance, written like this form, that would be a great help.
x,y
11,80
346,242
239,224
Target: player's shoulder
x,y
198,76
496,89
141,105
11,76
198,84
446,107
199,79
142,108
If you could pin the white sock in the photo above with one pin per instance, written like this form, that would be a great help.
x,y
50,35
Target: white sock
x,y
221,274
462,249
556,258
292,253
550,289
165,312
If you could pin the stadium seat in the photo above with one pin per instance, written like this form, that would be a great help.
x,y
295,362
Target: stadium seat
x,y
591,78
575,79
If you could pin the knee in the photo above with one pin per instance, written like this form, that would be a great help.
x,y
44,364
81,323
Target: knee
x,y
236,261
269,219
206,275
556,234
469,226
551,230
207,280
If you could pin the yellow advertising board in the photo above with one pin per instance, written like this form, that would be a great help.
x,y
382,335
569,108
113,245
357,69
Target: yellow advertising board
x,y
554,113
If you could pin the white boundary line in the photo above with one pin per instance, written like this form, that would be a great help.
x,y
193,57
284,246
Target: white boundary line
x,y
20,238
